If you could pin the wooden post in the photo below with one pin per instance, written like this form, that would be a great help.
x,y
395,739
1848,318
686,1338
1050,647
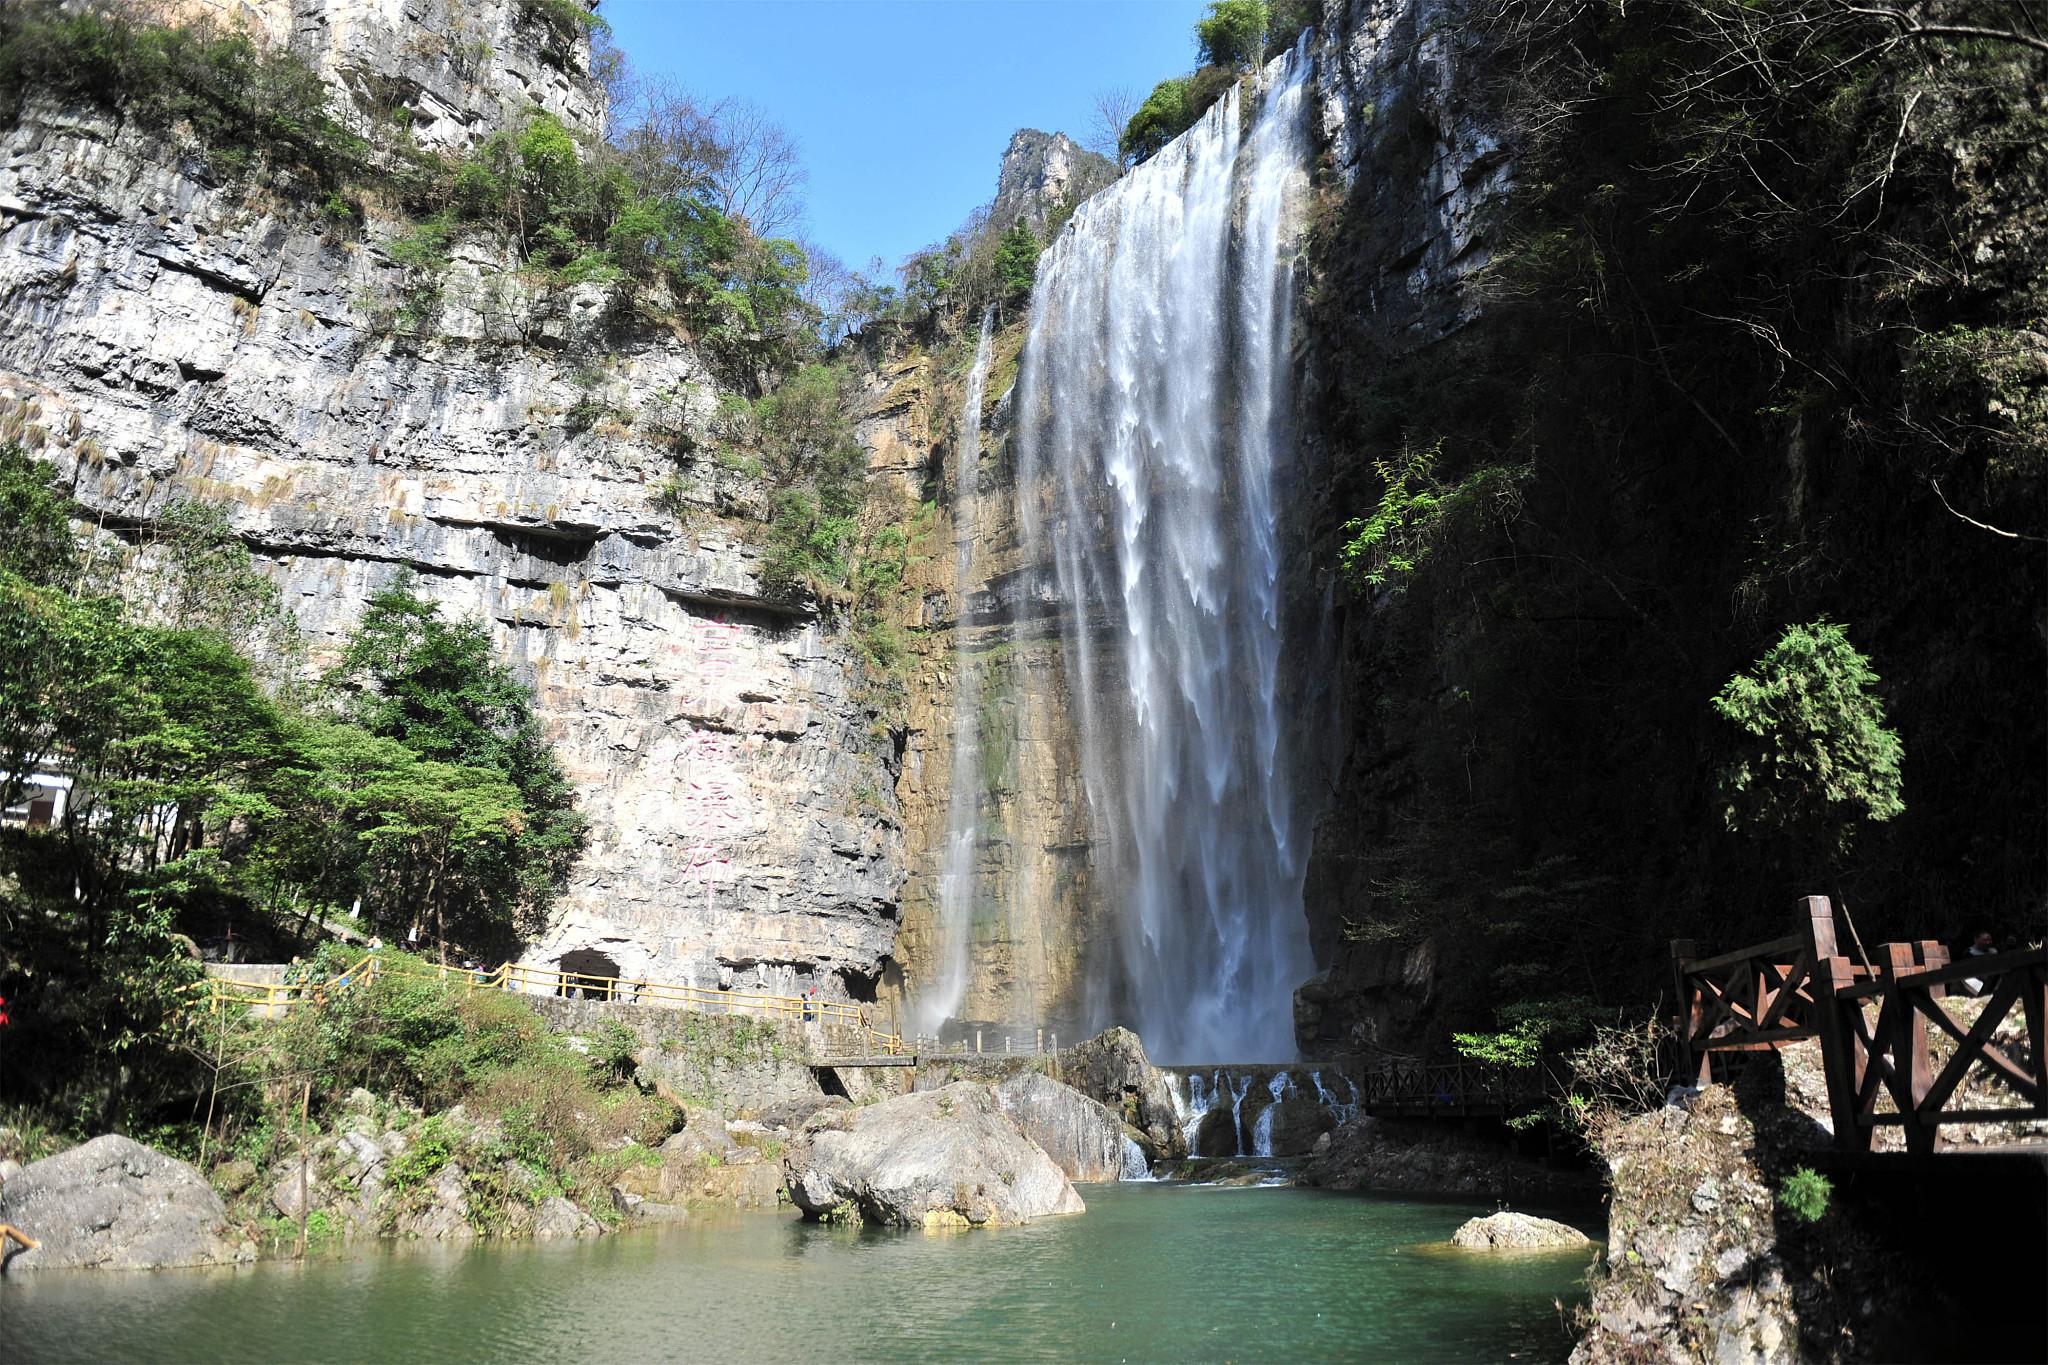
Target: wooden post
x,y
1932,955
1911,1066
305,1151
1841,1060
1692,1070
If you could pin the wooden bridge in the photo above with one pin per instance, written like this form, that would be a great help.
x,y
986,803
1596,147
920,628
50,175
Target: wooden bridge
x,y
1884,1067
1872,1019
1446,1090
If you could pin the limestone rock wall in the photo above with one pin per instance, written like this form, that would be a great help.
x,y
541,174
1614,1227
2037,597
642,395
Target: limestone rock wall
x,y
462,71
1414,164
164,335
1035,923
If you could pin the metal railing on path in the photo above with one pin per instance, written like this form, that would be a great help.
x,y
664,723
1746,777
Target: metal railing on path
x,y
274,999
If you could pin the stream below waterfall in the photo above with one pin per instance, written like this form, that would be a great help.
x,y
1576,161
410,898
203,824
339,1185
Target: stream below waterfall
x,y
1151,1271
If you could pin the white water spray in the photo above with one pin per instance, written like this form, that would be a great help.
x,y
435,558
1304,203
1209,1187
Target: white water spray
x,y
1155,402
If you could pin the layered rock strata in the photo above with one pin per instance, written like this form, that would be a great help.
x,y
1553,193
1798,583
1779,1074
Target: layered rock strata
x,y
172,334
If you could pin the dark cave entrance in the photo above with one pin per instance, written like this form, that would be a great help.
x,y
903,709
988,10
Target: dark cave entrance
x,y
589,975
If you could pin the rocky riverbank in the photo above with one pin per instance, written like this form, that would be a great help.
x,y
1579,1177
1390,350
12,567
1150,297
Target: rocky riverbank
x,y
1429,1158
597,1118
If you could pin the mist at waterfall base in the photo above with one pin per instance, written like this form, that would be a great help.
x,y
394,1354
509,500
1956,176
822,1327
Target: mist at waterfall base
x,y
1153,411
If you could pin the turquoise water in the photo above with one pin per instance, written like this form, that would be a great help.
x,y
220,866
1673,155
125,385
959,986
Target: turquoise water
x,y
1150,1272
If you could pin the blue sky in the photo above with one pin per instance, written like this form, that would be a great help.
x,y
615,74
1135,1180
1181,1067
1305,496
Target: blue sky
x,y
903,107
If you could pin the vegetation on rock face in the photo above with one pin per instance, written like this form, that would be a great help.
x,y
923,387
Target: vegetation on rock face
x,y
660,215
1164,116
1233,34
1415,513
1727,345
202,800
242,105
1233,37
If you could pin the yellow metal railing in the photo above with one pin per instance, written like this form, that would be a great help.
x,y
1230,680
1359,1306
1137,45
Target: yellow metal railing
x,y
272,999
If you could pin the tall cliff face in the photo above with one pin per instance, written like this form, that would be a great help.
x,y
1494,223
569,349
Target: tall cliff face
x,y
165,334
1684,409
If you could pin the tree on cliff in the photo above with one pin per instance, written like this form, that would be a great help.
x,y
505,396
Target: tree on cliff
x,y
437,688
1233,34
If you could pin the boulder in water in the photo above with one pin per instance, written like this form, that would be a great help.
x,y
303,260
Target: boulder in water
x,y
114,1204
1506,1231
1112,1067
1083,1137
934,1158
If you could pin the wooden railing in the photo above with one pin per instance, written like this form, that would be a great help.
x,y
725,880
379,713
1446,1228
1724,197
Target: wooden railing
x,y
1773,994
1753,999
1446,1090
1892,1051
273,999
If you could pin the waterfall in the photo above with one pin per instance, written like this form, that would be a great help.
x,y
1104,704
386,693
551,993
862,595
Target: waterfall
x,y
1280,1087
1154,413
957,872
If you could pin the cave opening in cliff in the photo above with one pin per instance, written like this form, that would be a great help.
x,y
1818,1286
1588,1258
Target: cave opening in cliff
x,y
588,974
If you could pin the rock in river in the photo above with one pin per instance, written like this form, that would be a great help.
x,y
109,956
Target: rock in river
x,y
1082,1136
936,1158
1112,1067
116,1205
1506,1231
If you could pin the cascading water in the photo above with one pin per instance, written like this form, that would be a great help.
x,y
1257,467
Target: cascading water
x,y
957,872
1154,405
1261,1111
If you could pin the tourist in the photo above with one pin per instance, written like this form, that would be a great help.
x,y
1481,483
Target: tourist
x,y
1981,946
810,1004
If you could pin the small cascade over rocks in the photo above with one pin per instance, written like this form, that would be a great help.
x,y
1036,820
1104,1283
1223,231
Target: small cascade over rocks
x,y
1154,453
1259,1111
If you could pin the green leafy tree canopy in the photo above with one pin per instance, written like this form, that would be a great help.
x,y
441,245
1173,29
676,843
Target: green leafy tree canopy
x,y
1233,34
1820,756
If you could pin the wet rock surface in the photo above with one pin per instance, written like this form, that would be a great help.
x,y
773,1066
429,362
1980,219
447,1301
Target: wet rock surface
x,y
114,1204
933,1159
1422,1158
1085,1139
1112,1068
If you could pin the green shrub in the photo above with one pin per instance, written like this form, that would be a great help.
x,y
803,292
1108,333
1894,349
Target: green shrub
x,y
1415,513
1164,116
1822,757
1017,261
429,1147
1805,1193
614,1051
